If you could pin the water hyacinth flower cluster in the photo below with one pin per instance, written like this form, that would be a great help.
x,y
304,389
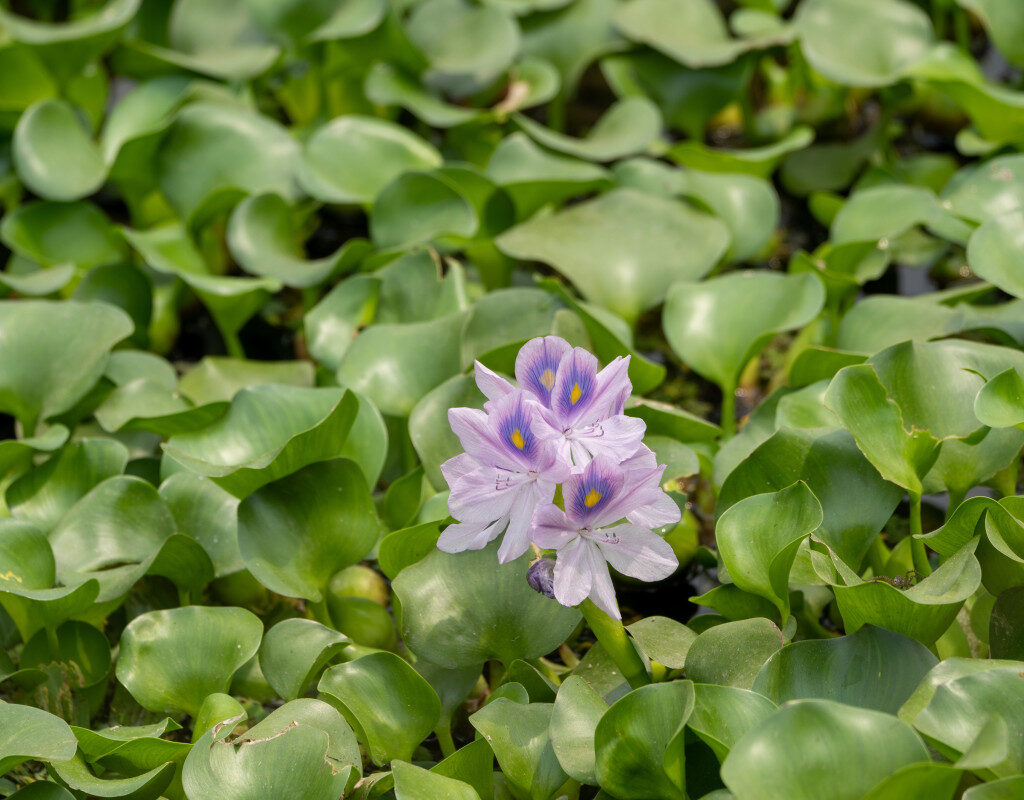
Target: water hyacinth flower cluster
x,y
556,464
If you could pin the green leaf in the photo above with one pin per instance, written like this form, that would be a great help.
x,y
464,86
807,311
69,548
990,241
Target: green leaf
x,y
352,158
54,153
67,47
295,651
416,783
386,86
53,234
147,786
871,668
639,742
45,493
718,325
860,401
218,379
883,213
1004,23
833,34
732,654
215,149
261,236
431,435
391,708
31,733
923,612
303,750
518,735
464,609
208,514
994,252
856,501
289,533
268,432
1005,789
467,46
171,660
623,249
332,324
962,713
758,161
930,780
758,538
574,718
1006,630
723,714
533,177
417,207
628,127
855,747
693,32
395,366
663,640
53,353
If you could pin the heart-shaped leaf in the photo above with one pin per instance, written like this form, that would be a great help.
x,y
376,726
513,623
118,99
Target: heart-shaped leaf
x,y
857,747
54,153
463,609
352,158
31,733
639,742
416,783
171,660
722,715
732,654
759,536
296,532
871,668
268,432
574,718
391,708
294,652
623,249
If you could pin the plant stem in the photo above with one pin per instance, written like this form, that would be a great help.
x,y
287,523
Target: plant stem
x,y
728,411
955,499
233,344
53,642
320,612
917,549
612,636
444,738
184,597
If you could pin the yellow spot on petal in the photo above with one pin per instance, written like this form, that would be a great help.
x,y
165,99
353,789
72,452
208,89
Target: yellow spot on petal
x,y
575,394
517,439
592,498
547,379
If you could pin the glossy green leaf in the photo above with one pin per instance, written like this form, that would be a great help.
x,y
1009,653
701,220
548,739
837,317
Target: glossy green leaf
x,y
498,615
416,783
518,735
723,714
208,514
302,750
55,155
53,234
833,34
856,501
417,207
171,660
732,654
268,432
1006,636
574,718
623,249
31,733
295,533
352,158
53,353
871,668
627,128
758,538
294,652
218,379
717,326
994,252
639,742
857,748
390,707
262,239
395,366
923,611
147,786
663,640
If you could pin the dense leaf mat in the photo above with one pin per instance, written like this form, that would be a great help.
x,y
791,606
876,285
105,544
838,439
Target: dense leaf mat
x,y
252,252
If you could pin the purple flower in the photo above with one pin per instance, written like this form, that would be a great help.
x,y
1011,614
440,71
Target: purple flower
x,y
582,408
506,471
590,533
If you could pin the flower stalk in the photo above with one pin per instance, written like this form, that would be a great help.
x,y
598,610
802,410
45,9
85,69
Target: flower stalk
x,y
612,635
